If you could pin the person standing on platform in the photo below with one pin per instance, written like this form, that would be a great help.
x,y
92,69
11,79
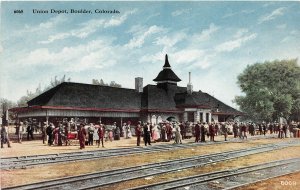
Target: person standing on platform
x,y
235,130
138,133
178,138
168,131
117,133
163,132
244,129
211,129
49,131
182,130
129,134
29,131
81,136
146,130
91,130
260,128
202,132
197,132
4,136
264,127
20,132
226,128
101,133
44,133
60,134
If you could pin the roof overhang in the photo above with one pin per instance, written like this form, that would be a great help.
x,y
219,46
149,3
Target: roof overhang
x,y
25,109
228,113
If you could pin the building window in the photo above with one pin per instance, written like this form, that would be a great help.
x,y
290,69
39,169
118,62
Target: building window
x,y
207,117
201,116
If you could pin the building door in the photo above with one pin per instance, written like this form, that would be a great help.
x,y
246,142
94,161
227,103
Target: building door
x,y
201,116
207,117
190,116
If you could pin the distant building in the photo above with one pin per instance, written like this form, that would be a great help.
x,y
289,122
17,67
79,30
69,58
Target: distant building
x,y
152,103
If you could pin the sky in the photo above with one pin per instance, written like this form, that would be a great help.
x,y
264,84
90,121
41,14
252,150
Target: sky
x,y
215,41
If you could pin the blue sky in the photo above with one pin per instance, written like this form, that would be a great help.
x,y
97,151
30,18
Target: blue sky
x,y
213,40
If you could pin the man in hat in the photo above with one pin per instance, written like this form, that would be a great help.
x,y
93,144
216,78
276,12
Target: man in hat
x,y
235,129
4,136
91,130
81,136
30,130
168,131
44,133
197,132
211,129
138,133
49,131
147,134
202,131
101,132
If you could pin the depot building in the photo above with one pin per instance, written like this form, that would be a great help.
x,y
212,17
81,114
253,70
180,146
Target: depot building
x,y
151,103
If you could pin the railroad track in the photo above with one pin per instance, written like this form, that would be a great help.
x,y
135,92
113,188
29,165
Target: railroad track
x,y
229,179
104,178
26,161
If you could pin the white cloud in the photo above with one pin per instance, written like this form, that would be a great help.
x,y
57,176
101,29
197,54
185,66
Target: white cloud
x,y
230,45
281,26
95,54
1,49
277,12
171,39
206,33
291,36
47,25
116,21
140,36
231,14
180,12
188,56
241,32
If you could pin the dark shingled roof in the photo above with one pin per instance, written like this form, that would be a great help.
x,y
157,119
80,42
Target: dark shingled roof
x,y
153,97
70,94
167,74
200,99
159,98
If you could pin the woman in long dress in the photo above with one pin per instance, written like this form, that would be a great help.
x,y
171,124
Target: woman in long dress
x,y
155,134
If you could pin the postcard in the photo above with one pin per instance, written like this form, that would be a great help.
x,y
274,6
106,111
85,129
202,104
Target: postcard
x,y
150,94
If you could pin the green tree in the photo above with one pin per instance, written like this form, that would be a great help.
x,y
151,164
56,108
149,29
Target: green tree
x,y
102,83
271,90
30,95
6,104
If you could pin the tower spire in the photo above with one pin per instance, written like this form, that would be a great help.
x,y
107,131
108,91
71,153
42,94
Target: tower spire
x,y
167,64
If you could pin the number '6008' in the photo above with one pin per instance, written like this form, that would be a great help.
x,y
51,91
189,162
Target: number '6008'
x,y
18,11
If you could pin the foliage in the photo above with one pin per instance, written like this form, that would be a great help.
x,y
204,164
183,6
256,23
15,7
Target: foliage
x,y
272,90
30,95
102,83
5,105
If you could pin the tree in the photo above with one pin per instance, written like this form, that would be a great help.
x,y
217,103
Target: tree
x,y
30,95
5,105
102,83
271,90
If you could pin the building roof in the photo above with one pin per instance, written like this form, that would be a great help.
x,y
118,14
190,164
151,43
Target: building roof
x,y
70,94
167,74
164,97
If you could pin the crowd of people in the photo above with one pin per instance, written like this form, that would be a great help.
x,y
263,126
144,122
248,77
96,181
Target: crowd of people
x,y
97,133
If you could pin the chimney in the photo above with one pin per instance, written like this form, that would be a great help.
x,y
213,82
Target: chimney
x,y
139,84
189,85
